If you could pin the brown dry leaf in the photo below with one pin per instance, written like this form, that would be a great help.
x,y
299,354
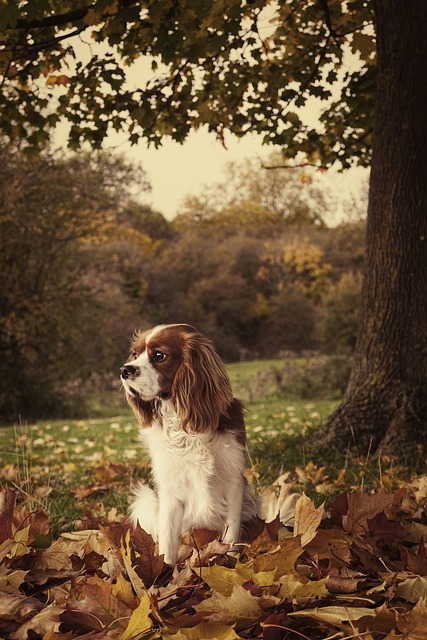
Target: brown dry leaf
x,y
139,549
95,597
383,623
343,584
311,473
363,507
203,557
333,544
45,622
88,490
17,607
307,519
104,474
200,538
414,624
38,522
78,543
11,580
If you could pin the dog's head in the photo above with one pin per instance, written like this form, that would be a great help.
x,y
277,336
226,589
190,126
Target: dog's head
x,y
175,362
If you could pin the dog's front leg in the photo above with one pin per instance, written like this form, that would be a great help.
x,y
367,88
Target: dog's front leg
x,y
171,513
234,504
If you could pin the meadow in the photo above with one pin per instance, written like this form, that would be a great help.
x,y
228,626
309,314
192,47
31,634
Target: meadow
x,y
80,471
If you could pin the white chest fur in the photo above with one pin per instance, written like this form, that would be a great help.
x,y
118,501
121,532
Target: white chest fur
x,y
199,483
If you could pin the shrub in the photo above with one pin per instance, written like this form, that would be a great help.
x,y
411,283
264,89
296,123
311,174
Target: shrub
x,y
339,317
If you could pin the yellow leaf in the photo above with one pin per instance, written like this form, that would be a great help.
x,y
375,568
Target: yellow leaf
x,y
412,589
18,545
206,631
416,531
337,616
239,607
136,581
222,579
307,519
140,621
122,590
282,559
302,589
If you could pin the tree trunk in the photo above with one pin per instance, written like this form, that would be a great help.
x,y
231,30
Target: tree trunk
x,y
385,405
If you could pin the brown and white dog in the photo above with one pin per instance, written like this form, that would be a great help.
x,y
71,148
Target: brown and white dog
x,y
193,428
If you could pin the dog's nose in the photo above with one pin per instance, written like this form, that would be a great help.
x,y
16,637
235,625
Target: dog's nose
x,y
127,371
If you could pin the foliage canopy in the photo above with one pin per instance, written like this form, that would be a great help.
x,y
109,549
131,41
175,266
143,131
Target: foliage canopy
x,y
232,66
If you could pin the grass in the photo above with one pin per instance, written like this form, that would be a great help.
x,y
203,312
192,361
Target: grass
x,y
80,471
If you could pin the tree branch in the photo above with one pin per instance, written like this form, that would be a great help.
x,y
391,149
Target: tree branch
x,y
301,165
53,21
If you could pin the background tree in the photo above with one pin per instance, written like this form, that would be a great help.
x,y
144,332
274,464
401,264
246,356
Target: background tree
x,y
57,304
224,70
266,200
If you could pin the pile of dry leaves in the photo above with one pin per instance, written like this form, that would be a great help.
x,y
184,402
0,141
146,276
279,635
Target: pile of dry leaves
x,y
355,568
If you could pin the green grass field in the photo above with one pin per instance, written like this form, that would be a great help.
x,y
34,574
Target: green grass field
x,y
81,470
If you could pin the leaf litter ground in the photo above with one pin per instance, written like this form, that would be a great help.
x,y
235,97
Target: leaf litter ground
x,y
353,568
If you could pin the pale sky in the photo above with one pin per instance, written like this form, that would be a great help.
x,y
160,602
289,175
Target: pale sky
x,y
178,170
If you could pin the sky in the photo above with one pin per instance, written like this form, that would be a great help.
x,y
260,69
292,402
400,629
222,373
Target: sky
x,y
176,171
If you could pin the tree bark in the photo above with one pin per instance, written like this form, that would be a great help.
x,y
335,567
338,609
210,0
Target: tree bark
x,y
385,404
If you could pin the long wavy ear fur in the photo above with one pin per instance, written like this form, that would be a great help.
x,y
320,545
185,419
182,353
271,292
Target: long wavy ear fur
x,y
201,390
145,411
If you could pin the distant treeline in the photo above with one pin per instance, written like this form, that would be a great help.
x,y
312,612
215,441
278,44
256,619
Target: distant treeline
x,y
252,263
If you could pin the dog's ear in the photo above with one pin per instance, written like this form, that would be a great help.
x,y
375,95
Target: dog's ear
x,y
144,410
201,390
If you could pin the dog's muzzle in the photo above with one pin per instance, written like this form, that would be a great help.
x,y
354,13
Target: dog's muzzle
x,y
128,371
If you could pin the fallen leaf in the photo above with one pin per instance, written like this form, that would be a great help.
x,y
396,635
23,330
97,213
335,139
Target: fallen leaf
x,y
412,589
307,519
43,622
206,631
335,615
223,579
414,623
238,608
304,590
282,558
18,607
11,580
140,621
362,507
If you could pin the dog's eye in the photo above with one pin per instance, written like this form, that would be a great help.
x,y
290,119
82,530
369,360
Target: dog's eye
x,y
159,356
134,355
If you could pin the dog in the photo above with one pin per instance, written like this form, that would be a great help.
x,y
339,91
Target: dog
x,y
193,428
